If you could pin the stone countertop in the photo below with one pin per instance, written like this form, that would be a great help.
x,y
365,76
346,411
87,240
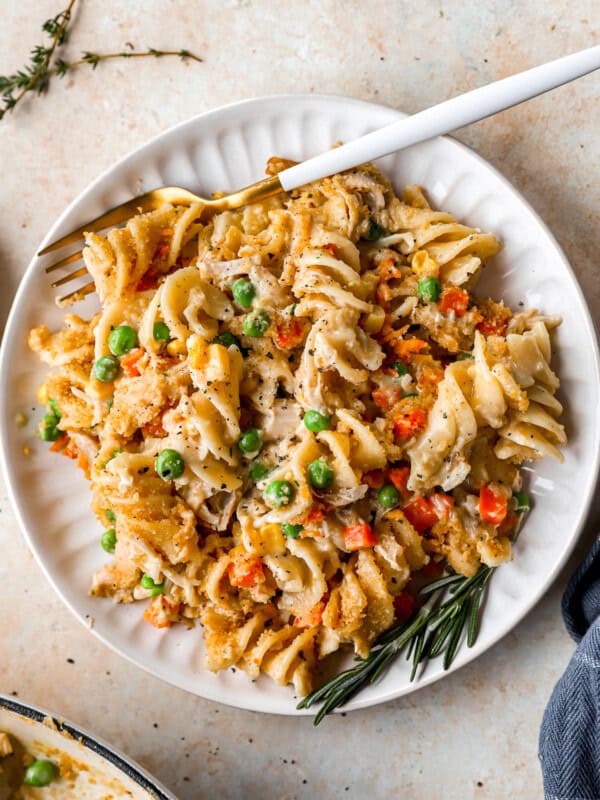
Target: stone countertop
x,y
474,734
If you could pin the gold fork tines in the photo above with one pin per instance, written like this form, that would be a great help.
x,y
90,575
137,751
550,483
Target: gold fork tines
x,y
139,205
70,277
76,296
64,262
150,201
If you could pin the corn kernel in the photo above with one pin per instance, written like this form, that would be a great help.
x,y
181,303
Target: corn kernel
x,y
42,394
198,352
21,420
271,539
176,348
424,266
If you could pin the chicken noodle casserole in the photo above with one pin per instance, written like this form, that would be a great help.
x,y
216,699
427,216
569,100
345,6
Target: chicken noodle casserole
x,y
287,411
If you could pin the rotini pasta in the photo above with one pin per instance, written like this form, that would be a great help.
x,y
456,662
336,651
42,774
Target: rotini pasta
x,y
293,413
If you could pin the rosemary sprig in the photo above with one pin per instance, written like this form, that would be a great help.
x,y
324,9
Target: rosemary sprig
x,y
36,75
437,629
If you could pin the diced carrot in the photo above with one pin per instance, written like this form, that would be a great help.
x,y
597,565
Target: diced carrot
x,y
331,249
358,536
314,616
84,465
383,294
406,348
493,327
70,450
154,428
386,397
493,504
148,280
316,514
373,479
129,362
454,299
58,445
246,571
404,605
289,333
494,318
508,523
409,422
420,513
388,270
162,251
398,476
442,504
161,612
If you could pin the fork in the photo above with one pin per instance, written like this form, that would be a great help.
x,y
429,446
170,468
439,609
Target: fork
x,y
443,118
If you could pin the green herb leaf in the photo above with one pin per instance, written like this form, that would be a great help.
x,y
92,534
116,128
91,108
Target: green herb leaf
x,y
36,75
436,629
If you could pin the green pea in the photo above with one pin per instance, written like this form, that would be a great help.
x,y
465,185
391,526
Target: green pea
x,y
428,289
150,586
250,441
161,332
48,430
293,531
523,502
316,422
40,773
255,325
110,515
375,231
121,340
320,474
258,471
243,292
106,369
388,496
400,368
227,339
279,493
169,465
54,408
108,540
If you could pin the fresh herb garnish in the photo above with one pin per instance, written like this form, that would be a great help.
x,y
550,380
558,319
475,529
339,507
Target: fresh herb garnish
x,y
42,66
435,630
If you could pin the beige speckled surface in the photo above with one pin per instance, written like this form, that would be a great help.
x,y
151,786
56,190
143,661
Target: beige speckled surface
x,y
473,735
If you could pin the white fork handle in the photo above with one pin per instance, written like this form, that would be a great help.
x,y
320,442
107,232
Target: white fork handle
x,y
445,117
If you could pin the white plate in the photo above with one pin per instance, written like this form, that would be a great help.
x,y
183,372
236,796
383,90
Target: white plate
x,y
99,770
226,149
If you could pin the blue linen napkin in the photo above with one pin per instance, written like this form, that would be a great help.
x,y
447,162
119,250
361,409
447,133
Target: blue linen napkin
x,y
570,734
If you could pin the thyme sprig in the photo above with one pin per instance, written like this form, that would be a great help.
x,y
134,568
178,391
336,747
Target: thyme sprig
x,y
35,76
437,629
